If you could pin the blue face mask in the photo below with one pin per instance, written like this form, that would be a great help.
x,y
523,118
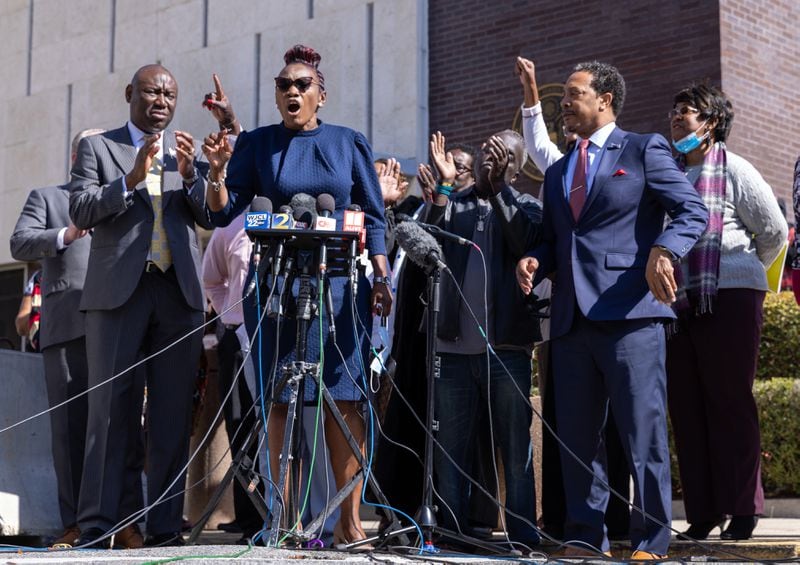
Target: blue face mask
x,y
690,142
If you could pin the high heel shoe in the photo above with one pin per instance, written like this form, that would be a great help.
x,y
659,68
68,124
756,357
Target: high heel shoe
x,y
700,530
740,528
340,539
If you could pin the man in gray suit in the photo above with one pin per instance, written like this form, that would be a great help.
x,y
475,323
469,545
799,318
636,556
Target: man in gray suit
x,y
139,188
45,233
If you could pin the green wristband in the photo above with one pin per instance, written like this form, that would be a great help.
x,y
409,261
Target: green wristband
x,y
444,189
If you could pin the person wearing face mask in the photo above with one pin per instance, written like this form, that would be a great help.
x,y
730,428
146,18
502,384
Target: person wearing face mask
x,y
712,349
504,224
304,154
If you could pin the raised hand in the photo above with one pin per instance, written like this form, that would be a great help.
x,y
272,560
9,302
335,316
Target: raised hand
x,y
526,270
217,150
144,161
221,108
526,71
389,179
184,154
427,182
442,161
497,157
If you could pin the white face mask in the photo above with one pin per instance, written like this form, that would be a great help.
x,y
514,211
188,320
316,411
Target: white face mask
x,y
690,142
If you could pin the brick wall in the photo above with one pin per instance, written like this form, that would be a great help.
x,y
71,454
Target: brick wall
x,y
658,46
760,66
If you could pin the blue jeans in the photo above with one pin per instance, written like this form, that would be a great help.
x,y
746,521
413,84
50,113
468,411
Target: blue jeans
x,y
461,391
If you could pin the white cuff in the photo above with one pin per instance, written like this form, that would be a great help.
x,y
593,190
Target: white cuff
x,y
532,111
60,239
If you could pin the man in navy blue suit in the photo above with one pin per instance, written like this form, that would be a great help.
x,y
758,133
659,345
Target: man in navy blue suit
x,y
605,244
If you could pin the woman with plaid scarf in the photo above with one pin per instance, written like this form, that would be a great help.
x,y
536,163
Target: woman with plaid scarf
x,y
712,349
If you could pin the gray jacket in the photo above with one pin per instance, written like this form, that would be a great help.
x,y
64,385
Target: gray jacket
x,y
45,213
123,223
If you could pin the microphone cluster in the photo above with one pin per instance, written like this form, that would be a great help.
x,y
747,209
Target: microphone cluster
x,y
303,213
303,220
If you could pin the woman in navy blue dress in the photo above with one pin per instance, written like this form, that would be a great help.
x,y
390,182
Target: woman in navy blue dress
x,y
304,155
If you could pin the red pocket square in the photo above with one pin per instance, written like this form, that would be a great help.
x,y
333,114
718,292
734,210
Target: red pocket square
x,y
619,173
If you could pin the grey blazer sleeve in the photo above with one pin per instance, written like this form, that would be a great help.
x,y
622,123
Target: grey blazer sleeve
x,y
90,202
32,240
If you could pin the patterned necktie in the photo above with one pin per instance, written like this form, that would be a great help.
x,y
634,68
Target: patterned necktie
x,y
577,192
159,246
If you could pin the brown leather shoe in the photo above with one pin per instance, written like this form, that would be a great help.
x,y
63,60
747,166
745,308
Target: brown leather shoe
x,y
640,555
130,537
69,537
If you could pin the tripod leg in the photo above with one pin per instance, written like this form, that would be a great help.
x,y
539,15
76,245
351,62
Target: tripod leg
x,y
281,431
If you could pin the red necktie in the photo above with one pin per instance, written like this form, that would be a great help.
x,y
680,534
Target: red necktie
x,y
577,192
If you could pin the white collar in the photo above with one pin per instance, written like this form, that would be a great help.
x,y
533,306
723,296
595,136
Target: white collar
x,y
137,137
600,136
136,134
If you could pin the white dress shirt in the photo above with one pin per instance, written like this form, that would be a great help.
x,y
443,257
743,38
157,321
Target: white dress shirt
x,y
597,142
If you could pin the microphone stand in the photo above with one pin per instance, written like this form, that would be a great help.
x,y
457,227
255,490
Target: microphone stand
x,y
425,516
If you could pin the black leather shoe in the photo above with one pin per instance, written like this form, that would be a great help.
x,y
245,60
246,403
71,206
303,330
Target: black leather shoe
x,y
700,530
88,539
740,528
230,527
169,539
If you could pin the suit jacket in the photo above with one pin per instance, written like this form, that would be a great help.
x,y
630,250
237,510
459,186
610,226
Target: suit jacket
x,y
123,223
45,213
515,229
599,260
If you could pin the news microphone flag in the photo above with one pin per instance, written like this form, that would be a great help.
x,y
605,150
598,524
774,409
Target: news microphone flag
x,y
257,221
354,221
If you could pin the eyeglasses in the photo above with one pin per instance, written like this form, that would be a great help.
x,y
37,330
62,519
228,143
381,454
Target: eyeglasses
x,y
683,110
302,84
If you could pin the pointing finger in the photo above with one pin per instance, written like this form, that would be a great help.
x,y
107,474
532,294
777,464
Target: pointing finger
x,y
218,85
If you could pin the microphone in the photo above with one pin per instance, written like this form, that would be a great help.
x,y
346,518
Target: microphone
x,y
283,220
325,206
300,203
354,221
420,246
303,200
257,219
435,230
304,218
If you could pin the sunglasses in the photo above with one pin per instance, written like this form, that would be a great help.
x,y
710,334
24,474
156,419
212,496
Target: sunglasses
x,y
301,84
683,110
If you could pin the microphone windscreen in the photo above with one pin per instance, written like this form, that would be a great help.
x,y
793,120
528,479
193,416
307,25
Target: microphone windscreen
x,y
285,209
403,217
354,207
304,216
420,246
303,200
261,204
325,204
